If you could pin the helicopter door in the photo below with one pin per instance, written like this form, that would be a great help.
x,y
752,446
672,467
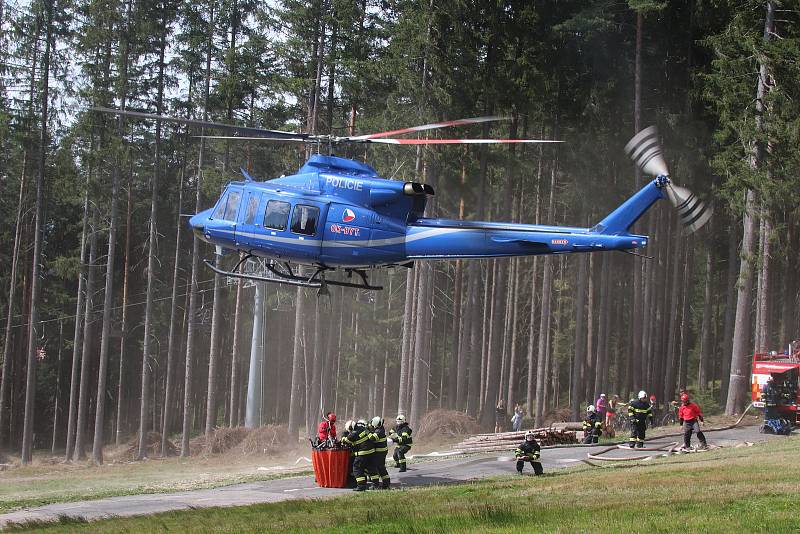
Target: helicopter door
x,y
221,226
305,230
249,229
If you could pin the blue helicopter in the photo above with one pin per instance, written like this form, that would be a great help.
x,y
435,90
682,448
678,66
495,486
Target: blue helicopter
x,y
340,214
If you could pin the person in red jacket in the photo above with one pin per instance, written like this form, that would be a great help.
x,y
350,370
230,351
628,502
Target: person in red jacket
x,y
690,416
327,428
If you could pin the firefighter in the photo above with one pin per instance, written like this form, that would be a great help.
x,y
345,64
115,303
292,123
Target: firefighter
x,y
771,399
327,428
401,434
639,411
691,417
528,451
361,448
592,425
348,428
380,476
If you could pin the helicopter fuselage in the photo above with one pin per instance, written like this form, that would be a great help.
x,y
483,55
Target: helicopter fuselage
x,y
339,213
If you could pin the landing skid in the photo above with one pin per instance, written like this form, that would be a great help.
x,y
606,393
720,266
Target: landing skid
x,y
286,275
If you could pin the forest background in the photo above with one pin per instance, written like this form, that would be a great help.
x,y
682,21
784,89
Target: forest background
x,y
112,326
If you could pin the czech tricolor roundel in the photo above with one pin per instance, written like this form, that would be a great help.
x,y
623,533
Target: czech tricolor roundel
x,y
348,215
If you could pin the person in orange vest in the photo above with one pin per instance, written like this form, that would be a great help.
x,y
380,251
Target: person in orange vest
x,y
691,417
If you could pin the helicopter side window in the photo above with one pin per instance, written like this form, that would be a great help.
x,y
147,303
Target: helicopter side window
x,y
304,219
276,215
232,206
252,208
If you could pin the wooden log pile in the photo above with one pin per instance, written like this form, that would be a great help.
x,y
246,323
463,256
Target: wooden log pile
x,y
505,441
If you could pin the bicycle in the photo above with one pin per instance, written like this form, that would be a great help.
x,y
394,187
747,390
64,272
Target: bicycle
x,y
671,417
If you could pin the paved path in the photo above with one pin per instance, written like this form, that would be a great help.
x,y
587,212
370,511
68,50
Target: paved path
x,y
446,471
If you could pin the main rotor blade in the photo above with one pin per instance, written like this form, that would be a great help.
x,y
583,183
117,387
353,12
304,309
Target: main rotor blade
x,y
247,130
454,141
243,138
645,151
458,122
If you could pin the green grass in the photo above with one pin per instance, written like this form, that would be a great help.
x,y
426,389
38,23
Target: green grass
x,y
731,490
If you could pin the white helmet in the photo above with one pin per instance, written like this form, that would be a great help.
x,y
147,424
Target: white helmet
x,y
376,422
400,419
349,425
530,436
361,422
590,408
602,395
643,394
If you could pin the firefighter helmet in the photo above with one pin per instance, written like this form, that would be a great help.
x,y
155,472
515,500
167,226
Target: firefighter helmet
x,y
643,394
361,422
376,422
400,419
349,425
530,436
590,408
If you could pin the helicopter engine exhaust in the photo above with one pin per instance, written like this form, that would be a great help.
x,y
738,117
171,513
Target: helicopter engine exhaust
x,y
645,150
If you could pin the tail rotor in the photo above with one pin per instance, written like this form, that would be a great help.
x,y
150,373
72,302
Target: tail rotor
x,y
645,150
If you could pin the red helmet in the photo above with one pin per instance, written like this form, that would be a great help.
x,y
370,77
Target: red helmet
x,y
331,417
684,397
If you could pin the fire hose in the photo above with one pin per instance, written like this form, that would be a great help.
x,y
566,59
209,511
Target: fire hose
x,y
669,448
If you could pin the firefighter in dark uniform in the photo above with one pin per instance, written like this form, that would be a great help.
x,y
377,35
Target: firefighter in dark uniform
x,y
592,426
639,411
401,434
528,451
380,476
362,448
348,428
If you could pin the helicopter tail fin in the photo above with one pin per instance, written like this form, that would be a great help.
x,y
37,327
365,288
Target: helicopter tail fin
x,y
621,219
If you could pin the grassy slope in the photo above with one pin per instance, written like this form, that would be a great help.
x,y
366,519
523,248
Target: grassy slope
x,y
733,490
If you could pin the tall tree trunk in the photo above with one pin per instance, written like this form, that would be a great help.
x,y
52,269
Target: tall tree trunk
x,y
472,393
213,357
235,363
705,334
494,349
12,289
57,394
730,309
77,339
124,326
408,318
296,386
686,290
737,385
166,419
188,379
579,354
636,350
88,320
34,328
105,336
762,333
144,407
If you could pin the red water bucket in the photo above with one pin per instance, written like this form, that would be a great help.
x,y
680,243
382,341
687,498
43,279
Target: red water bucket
x,y
331,467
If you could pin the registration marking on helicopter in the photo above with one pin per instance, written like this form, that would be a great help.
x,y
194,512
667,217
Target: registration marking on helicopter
x,y
345,230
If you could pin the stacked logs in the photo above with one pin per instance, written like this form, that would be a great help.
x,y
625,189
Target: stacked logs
x,y
509,440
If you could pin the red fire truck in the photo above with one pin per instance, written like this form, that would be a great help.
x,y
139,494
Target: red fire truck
x,y
784,369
